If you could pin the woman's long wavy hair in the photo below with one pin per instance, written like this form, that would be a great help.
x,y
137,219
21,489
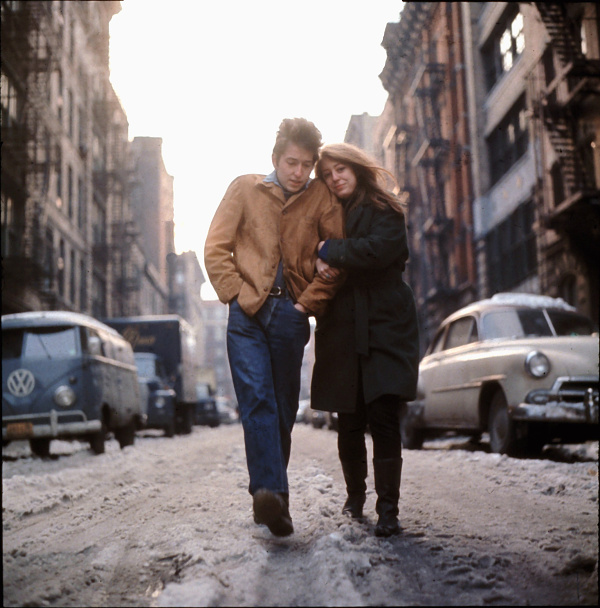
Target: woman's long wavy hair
x,y
371,179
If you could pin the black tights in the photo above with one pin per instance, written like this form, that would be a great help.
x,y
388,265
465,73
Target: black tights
x,y
382,416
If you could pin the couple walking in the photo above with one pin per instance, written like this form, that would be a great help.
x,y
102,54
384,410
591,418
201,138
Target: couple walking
x,y
283,247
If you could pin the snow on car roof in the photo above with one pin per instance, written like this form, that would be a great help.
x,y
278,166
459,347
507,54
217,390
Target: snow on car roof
x,y
529,299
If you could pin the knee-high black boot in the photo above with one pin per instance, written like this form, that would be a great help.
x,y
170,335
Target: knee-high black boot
x,y
355,475
387,472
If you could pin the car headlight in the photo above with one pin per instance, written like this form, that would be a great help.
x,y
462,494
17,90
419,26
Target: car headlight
x,y
64,396
537,364
160,402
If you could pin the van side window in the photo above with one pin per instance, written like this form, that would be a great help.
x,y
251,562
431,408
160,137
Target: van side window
x,y
107,347
90,341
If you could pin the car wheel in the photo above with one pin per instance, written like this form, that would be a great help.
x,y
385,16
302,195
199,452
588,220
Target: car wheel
x,y
185,420
97,440
501,427
411,436
125,435
40,447
170,429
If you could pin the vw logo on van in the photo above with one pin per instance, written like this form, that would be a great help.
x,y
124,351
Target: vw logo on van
x,y
20,382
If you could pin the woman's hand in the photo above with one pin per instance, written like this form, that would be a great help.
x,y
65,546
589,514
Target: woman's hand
x,y
326,272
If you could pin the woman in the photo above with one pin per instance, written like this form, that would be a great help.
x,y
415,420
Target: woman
x,y
366,346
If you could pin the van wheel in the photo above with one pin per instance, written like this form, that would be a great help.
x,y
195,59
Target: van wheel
x,y
501,427
125,435
97,440
40,447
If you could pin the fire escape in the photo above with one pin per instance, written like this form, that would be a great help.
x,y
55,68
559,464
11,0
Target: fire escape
x,y
429,159
570,94
31,48
125,233
112,250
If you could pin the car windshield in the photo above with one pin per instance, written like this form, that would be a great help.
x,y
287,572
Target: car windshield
x,y
570,323
523,322
146,367
39,343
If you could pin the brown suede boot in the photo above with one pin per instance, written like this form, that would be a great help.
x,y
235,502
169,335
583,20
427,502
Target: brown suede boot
x,y
271,509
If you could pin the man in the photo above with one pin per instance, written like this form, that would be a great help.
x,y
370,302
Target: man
x,y
260,256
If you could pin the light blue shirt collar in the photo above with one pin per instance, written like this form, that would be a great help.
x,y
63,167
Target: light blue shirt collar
x,y
272,178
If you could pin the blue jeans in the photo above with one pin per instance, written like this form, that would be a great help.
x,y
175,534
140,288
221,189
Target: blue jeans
x,y
265,355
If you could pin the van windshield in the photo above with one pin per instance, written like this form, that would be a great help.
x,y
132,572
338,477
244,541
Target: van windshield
x,y
146,367
39,343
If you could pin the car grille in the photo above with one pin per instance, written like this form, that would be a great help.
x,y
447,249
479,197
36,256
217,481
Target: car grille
x,y
576,391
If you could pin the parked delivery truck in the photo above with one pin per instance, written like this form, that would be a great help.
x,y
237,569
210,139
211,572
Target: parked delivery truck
x,y
172,341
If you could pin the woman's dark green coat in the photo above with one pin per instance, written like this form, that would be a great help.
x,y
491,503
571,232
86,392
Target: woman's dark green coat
x,y
371,326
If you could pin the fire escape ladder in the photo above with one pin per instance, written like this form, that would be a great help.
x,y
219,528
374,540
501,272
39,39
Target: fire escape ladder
x,y
560,131
430,159
559,110
565,40
31,48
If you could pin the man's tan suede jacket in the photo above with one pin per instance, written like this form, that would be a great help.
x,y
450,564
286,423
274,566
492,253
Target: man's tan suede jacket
x,y
254,227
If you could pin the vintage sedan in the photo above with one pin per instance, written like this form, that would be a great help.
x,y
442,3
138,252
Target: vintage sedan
x,y
522,367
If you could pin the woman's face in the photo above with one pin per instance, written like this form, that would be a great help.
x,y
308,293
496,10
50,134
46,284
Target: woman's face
x,y
340,178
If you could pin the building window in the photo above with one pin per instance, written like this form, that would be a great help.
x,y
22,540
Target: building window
x,y
508,141
98,297
567,289
82,287
510,250
72,277
71,114
70,202
11,102
60,266
81,206
98,224
49,258
59,184
558,184
504,47
13,221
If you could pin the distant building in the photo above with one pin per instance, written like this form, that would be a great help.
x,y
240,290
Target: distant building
x,y
360,132
214,347
152,202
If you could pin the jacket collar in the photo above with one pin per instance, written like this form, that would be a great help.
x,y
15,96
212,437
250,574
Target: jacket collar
x,y
271,183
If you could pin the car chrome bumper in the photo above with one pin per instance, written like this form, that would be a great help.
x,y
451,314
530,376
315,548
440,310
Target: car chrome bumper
x,y
570,400
48,424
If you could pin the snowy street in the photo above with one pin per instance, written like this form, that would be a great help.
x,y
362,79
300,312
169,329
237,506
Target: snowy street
x,y
168,522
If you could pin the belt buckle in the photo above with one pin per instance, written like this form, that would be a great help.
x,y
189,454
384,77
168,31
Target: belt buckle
x,y
276,291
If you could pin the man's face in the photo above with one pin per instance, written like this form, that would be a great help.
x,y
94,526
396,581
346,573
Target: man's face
x,y
293,167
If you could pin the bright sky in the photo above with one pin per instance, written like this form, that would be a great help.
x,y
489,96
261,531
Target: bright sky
x,y
215,79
